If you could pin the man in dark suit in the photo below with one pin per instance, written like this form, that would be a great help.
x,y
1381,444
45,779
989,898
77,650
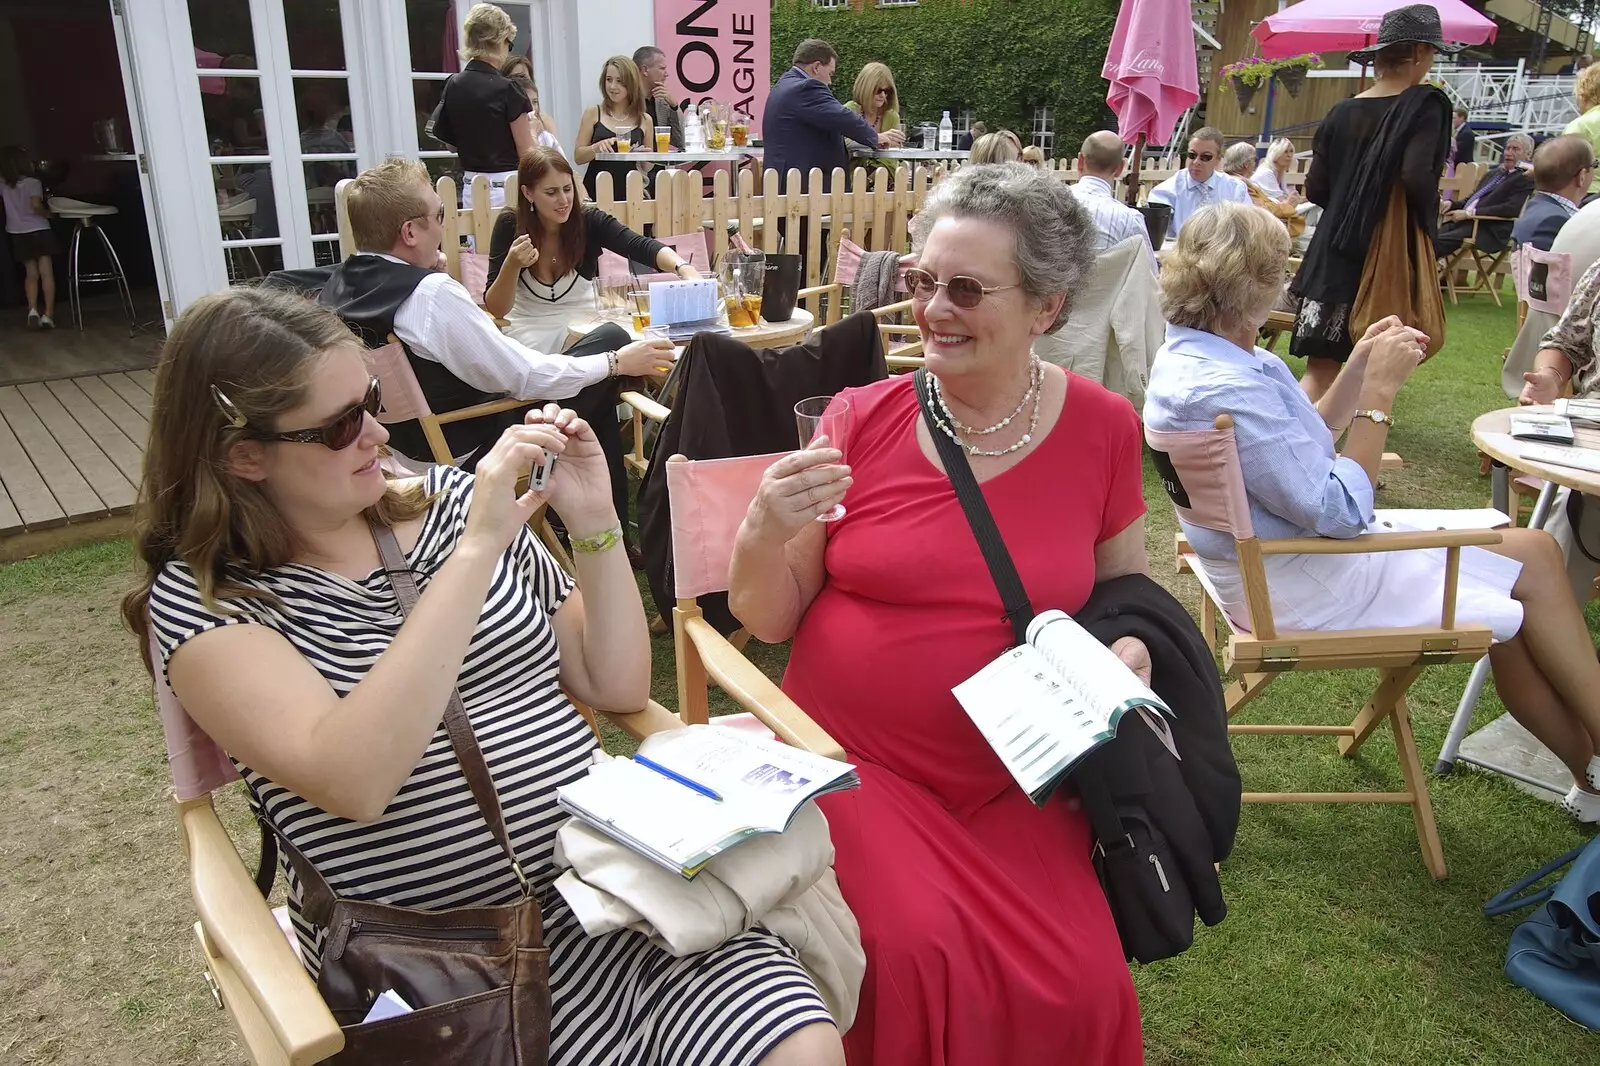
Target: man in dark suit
x,y
1501,194
1562,168
1465,142
804,126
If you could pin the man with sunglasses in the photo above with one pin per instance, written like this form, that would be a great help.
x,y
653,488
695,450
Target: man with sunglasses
x,y
1201,183
393,285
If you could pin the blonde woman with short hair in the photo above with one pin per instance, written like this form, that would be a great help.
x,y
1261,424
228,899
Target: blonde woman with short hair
x,y
1587,124
875,98
481,114
1033,155
1217,286
1274,168
996,148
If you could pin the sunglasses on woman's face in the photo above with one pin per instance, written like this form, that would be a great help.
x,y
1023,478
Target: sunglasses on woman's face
x,y
963,291
341,432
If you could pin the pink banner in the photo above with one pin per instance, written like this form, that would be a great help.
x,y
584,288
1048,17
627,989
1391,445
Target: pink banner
x,y
718,50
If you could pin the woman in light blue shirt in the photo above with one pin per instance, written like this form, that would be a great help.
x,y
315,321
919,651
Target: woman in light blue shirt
x,y
1217,287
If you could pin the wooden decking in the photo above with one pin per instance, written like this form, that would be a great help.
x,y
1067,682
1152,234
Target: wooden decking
x,y
71,452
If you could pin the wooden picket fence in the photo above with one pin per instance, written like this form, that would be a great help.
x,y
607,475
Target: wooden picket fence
x,y
875,210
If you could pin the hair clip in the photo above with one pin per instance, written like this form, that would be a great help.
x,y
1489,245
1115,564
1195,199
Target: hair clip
x,y
230,413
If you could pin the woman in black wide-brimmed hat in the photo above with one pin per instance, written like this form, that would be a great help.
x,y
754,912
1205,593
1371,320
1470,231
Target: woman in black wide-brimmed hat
x,y
1375,169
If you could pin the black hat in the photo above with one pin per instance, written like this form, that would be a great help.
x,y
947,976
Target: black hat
x,y
1413,24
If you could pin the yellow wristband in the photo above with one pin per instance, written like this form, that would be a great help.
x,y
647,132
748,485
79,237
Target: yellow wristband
x,y
603,541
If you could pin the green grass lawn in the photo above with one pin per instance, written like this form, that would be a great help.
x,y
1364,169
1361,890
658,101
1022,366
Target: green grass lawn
x,y
1339,947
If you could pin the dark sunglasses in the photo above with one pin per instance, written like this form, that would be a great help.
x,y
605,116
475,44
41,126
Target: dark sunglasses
x,y
338,434
963,291
1204,157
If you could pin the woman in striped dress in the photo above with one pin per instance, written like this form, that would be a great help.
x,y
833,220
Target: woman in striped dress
x,y
281,634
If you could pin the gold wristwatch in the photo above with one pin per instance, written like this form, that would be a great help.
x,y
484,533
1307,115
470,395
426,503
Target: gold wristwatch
x,y
1382,418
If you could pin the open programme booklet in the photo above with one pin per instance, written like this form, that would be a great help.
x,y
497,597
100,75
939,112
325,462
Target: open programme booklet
x,y
665,816
1044,705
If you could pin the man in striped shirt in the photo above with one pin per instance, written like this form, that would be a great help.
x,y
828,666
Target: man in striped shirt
x,y
1099,164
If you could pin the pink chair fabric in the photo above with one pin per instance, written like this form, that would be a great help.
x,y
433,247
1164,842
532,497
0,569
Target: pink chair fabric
x,y
691,247
475,275
848,264
1207,465
709,499
198,766
1557,281
403,400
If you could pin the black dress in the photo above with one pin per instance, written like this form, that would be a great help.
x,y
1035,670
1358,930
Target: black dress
x,y
1362,148
619,171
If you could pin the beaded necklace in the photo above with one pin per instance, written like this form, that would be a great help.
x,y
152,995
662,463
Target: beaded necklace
x,y
949,424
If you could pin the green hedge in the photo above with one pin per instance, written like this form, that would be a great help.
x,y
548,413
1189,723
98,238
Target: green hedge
x,y
1001,58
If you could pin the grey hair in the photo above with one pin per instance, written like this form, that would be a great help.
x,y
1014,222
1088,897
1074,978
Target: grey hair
x,y
1522,139
1239,156
1052,233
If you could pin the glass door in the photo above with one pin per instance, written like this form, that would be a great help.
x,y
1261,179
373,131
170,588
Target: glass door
x,y
281,126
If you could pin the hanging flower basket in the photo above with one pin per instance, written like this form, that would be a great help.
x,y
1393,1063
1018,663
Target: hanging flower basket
x,y
1245,93
1243,77
1293,79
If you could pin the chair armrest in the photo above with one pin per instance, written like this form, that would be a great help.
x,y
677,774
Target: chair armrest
x,y
239,929
640,724
818,290
1380,542
897,330
903,362
493,407
645,406
894,308
755,692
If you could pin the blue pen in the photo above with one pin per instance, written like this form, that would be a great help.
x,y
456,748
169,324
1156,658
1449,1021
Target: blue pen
x,y
673,775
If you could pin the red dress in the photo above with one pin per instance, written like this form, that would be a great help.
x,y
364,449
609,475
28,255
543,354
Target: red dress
x,y
987,937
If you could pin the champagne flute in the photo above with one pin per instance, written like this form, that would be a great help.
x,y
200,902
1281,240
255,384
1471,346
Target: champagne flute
x,y
830,417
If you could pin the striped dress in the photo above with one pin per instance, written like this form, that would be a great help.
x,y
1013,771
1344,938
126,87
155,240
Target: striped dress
x,y
615,998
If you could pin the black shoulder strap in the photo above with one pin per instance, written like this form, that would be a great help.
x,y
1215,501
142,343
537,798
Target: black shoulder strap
x,y
1092,789
1013,597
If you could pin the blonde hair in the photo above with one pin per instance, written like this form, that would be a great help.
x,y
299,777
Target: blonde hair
x,y
995,148
1033,155
874,76
632,84
1587,88
382,199
1227,267
485,28
259,346
1278,147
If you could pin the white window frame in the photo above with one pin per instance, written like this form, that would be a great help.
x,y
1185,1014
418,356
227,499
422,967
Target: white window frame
x,y
1044,131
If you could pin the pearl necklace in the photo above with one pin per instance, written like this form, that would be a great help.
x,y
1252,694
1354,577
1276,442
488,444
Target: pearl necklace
x,y
944,419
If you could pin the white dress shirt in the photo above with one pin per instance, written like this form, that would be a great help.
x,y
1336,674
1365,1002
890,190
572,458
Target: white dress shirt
x,y
1114,221
1186,196
1266,179
439,321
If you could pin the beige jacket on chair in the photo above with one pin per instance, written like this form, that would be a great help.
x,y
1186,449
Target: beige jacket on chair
x,y
1115,325
783,882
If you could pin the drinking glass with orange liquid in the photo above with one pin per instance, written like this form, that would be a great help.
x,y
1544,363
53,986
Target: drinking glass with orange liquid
x,y
740,130
639,300
624,146
664,139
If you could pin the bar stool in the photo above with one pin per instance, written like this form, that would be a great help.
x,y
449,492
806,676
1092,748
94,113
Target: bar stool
x,y
83,216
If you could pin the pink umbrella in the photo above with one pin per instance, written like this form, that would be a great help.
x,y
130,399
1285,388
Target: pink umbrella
x,y
1151,68
1350,25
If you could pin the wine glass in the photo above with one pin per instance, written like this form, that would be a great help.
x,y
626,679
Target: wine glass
x,y
830,417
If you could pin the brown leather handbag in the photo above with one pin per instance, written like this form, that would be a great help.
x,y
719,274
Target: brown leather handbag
x,y
1400,276
478,977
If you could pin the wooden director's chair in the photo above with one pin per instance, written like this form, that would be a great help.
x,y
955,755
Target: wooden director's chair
x,y
1209,492
1485,265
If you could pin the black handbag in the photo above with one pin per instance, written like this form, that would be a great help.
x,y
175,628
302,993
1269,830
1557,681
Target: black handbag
x,y
1138,871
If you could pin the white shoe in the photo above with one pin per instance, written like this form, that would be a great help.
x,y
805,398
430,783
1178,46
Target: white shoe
x,y
1584,806
1593,773
46,322
33,319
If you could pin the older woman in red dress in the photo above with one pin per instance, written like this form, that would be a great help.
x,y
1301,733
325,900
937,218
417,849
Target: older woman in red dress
x,y
988,939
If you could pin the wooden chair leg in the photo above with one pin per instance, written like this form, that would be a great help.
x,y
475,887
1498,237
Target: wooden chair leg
x,y
1246,688
693,706
1417,786
1391,689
